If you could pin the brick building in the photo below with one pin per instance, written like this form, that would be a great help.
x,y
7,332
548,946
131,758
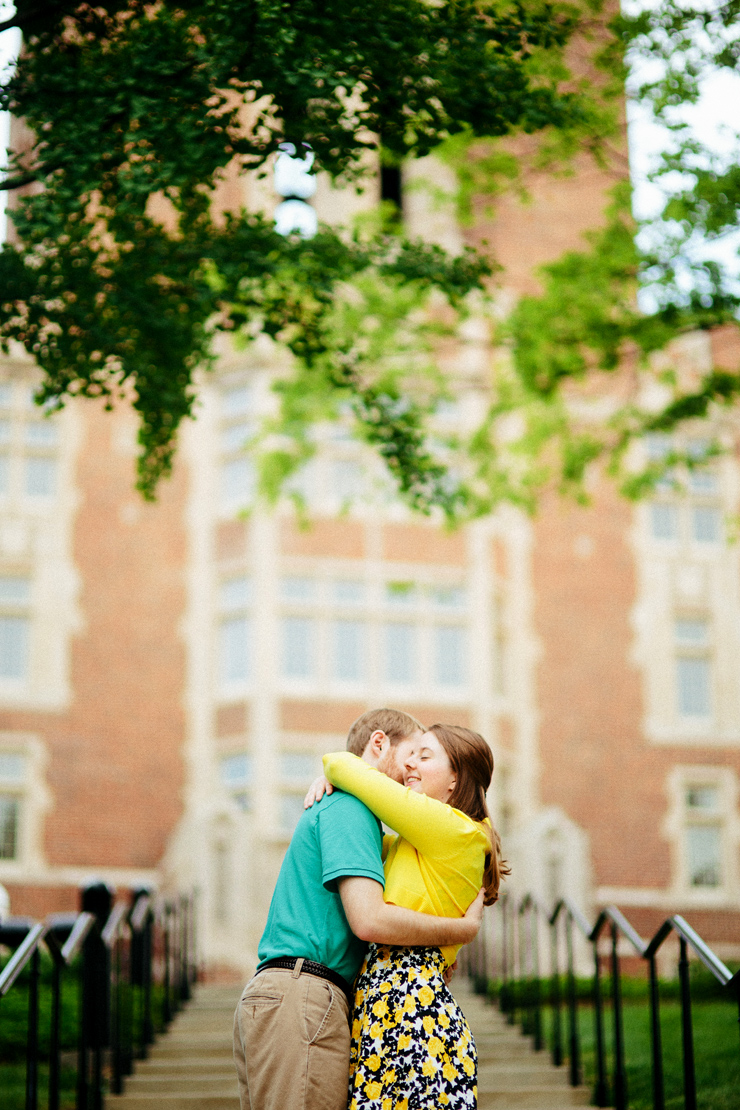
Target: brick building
x,y
170,674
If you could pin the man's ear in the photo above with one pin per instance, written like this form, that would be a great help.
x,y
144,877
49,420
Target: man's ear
x,y
378,740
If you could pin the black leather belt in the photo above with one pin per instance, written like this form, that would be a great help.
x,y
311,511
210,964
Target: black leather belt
x,y
311,968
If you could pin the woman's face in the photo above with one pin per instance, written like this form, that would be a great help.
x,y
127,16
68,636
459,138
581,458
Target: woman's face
x,y
427,770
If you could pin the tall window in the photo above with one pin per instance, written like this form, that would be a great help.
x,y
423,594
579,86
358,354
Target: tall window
x,y
693,667
236,774
15,598
687,505
29,441
237,479
12,786
343,631
234,632
703,835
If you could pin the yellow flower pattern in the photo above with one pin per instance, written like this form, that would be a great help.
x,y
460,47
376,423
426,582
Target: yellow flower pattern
x,y
411,1046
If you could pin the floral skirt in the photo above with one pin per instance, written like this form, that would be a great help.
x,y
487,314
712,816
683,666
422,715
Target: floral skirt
x,y
411,1046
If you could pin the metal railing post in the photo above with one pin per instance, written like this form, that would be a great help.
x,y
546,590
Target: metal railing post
x,y
575,1048
601,1093
32,1040
687,1037
537,993
557,1032
655,1036
54,1037
620,1072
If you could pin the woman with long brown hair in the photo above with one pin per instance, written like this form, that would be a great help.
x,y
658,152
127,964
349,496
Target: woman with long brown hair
x,y
411,1046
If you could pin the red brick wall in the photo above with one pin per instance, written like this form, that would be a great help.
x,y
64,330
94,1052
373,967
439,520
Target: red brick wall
x,y
115,758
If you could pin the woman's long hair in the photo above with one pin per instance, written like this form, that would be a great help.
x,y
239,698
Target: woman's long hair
x,y
471,759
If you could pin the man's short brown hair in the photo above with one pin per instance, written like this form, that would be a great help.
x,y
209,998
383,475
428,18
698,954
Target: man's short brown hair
x,y
395,724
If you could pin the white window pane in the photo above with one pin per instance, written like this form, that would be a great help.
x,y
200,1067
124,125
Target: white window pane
x,y
291,811
9,809
40,477
692,632
298,589
300,767
5,431
235,436
236,770
348,650
702,797
13,647
448,597
658,446
703,481
6,394
347,592
704,850
237,401
235,593
450,662
664,521
400,593
400,652
234,649
348,479
41,433
4,473
237,481
298,647
14,590
693,687
706,524
12,767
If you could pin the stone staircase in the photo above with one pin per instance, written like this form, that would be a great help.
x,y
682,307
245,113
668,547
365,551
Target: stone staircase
x,y
191,1066
511,1075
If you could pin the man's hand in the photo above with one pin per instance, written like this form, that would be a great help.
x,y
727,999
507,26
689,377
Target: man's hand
x,y
474,915
316,791
448,973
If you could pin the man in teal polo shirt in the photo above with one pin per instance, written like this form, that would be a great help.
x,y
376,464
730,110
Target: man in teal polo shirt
x,y
291,1029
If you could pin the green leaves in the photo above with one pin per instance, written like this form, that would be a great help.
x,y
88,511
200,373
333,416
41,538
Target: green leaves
x,y
132,104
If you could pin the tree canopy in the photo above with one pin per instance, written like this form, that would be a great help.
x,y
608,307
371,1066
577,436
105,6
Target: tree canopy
x,y
128,100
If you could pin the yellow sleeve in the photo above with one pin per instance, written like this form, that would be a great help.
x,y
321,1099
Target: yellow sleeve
x,y
433,828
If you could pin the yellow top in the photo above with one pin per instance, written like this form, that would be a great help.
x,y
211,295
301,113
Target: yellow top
x,y
436,863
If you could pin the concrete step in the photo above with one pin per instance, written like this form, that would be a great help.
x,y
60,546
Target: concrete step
x,y
193,1065
534,1098
193,1101
511,1075
173,1084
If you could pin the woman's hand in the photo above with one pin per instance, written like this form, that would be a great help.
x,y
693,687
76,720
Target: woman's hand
x,y
316,791
474,914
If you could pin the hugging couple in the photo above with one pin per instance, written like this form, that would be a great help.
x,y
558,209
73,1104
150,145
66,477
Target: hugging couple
x,y
362,929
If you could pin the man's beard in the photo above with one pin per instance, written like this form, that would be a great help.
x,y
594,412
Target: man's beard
x,y
390,766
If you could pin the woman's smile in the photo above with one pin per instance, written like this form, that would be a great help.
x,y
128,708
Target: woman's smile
x,y
427,770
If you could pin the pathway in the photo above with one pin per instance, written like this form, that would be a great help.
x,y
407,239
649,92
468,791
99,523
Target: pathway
x,y
511,1075
191,1066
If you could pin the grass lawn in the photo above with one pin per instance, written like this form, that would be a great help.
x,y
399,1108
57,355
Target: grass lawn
x,y
13,1087
716,1049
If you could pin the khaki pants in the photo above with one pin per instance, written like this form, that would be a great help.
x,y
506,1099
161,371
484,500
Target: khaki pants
x,y
291,1042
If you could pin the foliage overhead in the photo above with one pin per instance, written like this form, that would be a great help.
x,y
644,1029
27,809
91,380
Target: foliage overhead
x,y
604,327
129,101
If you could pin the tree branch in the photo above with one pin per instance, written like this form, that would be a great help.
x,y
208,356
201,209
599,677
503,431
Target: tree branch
x,y
18,182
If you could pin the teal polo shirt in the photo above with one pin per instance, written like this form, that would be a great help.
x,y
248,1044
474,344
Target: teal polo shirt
x,y
336,837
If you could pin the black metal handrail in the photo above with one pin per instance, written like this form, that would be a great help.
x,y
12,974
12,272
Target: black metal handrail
x,y
120,945
520,983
